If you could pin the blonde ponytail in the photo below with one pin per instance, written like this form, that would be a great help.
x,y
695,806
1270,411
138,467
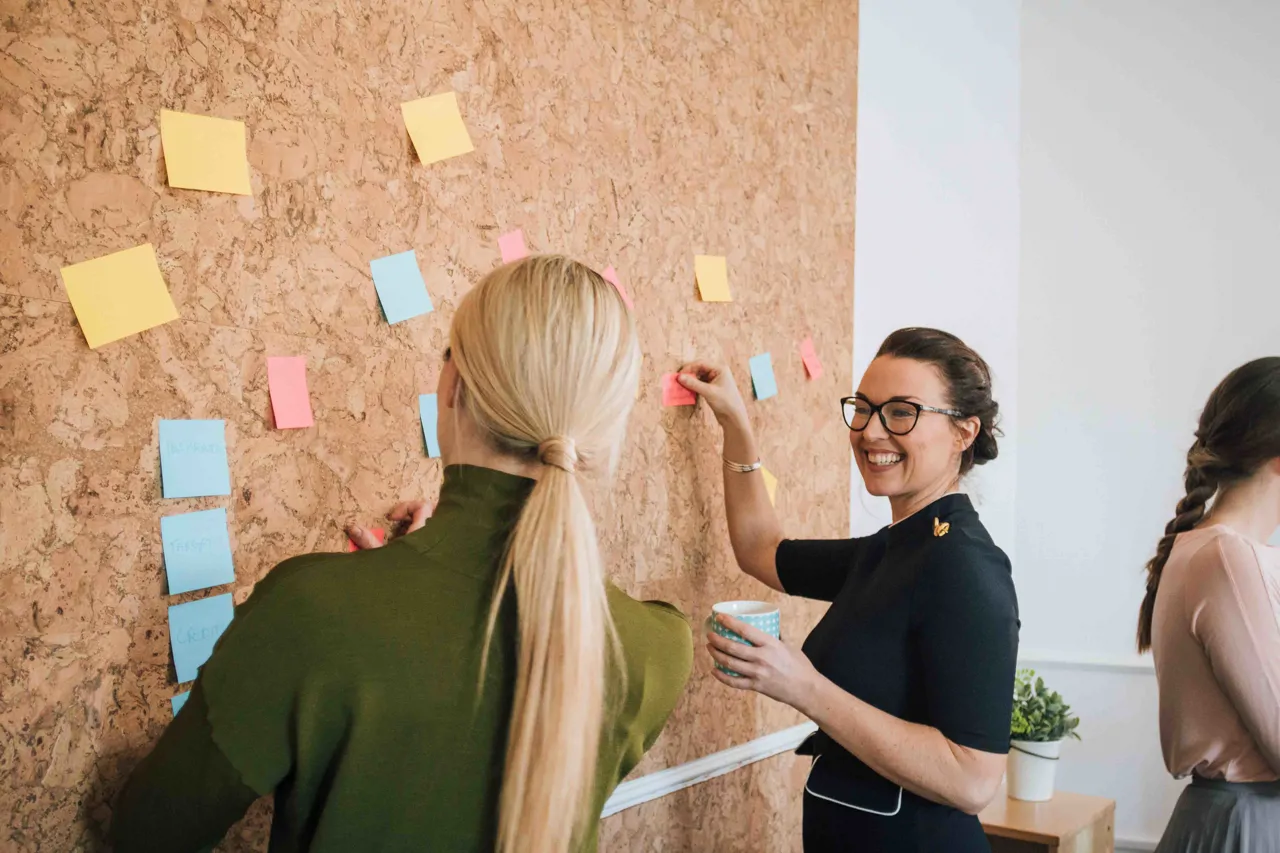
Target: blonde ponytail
x,y
549,364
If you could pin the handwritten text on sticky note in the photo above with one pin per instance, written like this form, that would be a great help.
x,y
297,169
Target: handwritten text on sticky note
x,y
118,295
436,128
204,153
290,402
400,287
675,394
193,459
428,411
512,247
712,273
193,629
762,376
812,364
197,550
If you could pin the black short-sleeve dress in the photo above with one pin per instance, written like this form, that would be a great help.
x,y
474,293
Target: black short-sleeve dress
x,y
924,626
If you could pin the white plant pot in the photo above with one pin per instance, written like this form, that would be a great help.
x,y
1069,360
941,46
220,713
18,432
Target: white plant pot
x,y
1032,767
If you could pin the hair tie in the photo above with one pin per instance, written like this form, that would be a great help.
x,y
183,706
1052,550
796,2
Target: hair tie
x,y
559,452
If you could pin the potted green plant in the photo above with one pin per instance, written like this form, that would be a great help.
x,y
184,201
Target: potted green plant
x,y
1041,722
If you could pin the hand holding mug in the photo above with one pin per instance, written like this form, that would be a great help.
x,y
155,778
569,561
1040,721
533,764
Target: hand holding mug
x,y
749,657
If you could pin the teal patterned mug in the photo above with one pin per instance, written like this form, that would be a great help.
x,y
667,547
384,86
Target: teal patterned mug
x,y
760,615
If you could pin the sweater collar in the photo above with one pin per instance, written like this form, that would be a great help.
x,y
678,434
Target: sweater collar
x,y
482,497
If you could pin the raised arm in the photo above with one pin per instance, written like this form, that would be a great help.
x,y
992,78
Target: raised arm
x,y
754,531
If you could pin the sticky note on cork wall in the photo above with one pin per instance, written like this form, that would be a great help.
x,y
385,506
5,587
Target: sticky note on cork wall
x,y
428,410
812,364
118,295
762,378
401,288
176,702
436,128
611,275
204,153
290,401
512,247
379,533
712,273
675,394
193,629
193,459
197,550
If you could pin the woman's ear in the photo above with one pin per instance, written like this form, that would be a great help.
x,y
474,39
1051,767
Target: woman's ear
x,y
967,432
449,388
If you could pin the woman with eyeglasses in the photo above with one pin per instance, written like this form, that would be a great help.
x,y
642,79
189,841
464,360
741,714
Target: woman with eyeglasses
x,y
909,675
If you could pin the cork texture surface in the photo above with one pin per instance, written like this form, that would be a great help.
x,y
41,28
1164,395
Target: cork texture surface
x,y
636,134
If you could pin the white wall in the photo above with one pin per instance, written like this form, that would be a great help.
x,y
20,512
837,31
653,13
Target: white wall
x,y
937,203
1150,231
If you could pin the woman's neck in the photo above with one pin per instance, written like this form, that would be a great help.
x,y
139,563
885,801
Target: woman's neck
x,y
907,505
1250,508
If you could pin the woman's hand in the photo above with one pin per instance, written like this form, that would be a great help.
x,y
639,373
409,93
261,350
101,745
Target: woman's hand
x,y
408,516
714,383
767,666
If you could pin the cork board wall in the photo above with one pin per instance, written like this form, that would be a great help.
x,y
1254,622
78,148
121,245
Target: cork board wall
x,y
636,134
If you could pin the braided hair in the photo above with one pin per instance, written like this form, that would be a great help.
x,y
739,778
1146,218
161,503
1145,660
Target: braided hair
x,y
1237,434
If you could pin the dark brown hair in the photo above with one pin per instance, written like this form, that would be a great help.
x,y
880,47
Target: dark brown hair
x,y
968,381
1239,431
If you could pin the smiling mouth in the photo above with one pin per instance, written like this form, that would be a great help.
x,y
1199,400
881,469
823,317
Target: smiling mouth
x,y
881,460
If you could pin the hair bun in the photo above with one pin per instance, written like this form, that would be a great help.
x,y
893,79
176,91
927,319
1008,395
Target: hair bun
x,y
985,446
559,452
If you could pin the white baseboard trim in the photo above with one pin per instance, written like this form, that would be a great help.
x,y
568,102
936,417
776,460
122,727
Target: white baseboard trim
x,y
1135,664
1136,845
662,782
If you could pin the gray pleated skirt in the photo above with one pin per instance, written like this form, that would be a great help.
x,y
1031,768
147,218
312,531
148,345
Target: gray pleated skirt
x,y
1224,817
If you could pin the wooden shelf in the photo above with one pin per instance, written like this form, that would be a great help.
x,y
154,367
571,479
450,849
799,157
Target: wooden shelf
x,y
1069,823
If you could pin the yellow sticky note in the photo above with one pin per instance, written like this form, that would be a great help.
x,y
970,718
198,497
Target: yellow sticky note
x,y
118,295
712,274
204,153
770,485
436,127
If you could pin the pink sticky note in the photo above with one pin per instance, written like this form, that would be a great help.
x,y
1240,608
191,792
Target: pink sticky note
x,y
378,533
810,358
611,276
290,402
512,247
675,394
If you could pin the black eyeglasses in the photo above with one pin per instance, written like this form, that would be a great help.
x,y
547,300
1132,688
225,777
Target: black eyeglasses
x,y
898,417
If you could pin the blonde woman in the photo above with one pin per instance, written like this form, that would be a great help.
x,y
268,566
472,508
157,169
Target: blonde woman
x,y
476,684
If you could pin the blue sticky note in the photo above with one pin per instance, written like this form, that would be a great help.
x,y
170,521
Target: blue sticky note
x,y
197,550
429,411
762,376
193,629
193,459
401,290
178,701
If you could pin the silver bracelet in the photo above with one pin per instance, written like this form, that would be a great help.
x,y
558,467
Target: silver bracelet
x,y
739,468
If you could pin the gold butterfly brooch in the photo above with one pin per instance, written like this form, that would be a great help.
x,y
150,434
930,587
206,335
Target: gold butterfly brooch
x,y
941,528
